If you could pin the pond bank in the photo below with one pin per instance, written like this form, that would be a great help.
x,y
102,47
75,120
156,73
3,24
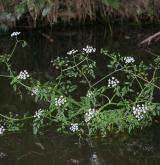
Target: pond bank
x,y
43,12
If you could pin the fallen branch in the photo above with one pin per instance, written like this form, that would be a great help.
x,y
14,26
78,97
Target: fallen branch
x,y
150,38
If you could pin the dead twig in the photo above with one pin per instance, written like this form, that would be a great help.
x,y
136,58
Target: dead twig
x,y
150,38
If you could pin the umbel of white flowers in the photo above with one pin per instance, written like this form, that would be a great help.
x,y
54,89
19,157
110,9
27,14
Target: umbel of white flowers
x,y
71,52
139,111
89,115
34,91
74,127
23,75
89,94
128,60
60,101
113,82
38,113
15,34
89,49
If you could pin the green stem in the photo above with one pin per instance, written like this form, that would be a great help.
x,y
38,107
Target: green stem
x,y
103,78
10,118
13,50
74,65
7,76
81,72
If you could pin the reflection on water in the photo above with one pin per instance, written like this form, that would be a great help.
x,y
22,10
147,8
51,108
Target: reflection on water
x,y
52,149
124,40
94,159
142,149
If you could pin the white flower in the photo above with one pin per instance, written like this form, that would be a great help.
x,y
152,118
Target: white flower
x,y
72,52
23,75
74,127
89,115
34,91
89,94
89,49
113,82
38,113
60,101
15,34
2,130
139,111
128,59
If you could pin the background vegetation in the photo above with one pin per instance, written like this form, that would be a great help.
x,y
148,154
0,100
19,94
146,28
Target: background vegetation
x,y
43,12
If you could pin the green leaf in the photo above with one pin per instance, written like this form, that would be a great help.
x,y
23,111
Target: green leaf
x,y
112,3
24,44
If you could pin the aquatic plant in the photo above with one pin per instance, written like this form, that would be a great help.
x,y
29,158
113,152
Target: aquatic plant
x,y
121,100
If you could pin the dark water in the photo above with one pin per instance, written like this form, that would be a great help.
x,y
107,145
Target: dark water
x,y
143,148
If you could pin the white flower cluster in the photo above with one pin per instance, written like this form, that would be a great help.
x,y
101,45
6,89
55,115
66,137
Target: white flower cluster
x,y
139,111
74,127
34,91
89,115
15,34
23,75
89,94
89,49
2,130
72,52
128,59
113,82
60,101
38,113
